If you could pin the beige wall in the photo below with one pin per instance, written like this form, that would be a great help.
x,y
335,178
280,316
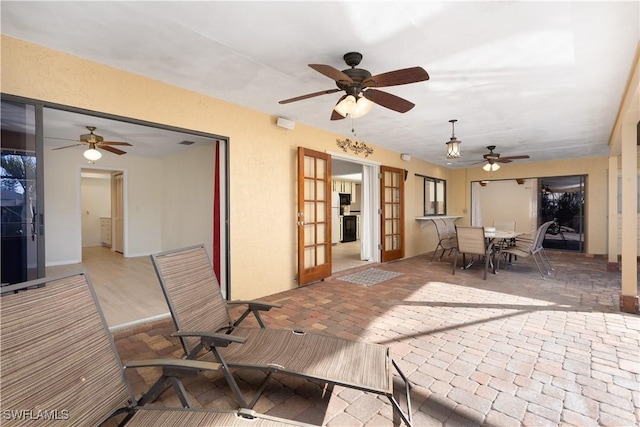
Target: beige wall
x,y
262,160
519,206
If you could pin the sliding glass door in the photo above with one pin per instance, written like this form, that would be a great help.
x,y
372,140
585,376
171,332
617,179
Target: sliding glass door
x,y
22,245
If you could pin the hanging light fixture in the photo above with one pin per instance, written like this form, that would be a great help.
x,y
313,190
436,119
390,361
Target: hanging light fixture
x,y
363,106
92,154
346,106
453,145
353,107
491,167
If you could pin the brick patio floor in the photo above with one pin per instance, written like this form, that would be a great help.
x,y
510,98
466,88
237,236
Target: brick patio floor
x,y
512,350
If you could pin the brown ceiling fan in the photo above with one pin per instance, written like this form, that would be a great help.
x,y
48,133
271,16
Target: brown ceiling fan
x,y
95,141
358,85
492,159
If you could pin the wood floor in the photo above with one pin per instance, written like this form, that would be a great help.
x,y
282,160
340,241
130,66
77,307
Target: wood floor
x,y
128,288
346,256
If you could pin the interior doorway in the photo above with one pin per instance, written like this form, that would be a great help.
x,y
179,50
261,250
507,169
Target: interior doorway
x,y
103,209
353,213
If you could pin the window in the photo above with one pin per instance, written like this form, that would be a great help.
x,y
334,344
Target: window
x,y
434,195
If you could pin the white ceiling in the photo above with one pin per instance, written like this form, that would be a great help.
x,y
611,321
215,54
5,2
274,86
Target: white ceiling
x,y
538,78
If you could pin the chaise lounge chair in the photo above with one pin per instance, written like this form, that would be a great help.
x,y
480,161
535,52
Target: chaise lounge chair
x,y
60,365
203,321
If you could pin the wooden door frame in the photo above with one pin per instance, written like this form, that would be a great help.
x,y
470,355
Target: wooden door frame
x,y
115,197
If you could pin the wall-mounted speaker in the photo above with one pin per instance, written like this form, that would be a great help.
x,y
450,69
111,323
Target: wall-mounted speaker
x,y
286,124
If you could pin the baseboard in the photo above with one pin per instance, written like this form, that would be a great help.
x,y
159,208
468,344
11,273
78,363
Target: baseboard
x,y
139,322
64,262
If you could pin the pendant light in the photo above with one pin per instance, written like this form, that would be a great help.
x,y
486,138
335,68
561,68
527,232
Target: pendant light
x,y
453,145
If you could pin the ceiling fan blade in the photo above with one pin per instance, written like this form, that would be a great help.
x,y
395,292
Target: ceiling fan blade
x,y
309,95
332,73
67,146
524,156
504,160
474,161
114,143
398,77
334,114
62,139
388,100
112,150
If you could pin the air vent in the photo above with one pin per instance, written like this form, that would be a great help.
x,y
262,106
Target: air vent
x,y
187,143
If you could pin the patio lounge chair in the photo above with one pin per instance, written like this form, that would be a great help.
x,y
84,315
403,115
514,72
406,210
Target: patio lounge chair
x,y
203,321
60,365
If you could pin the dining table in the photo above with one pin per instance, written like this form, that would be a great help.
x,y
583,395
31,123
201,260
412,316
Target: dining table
x,y
497,239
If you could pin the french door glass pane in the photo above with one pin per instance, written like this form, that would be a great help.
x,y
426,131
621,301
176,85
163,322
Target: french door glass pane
x,y
309,212
310,257
321,212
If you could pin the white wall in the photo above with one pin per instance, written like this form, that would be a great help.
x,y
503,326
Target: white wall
x,y
155,192
187,205
96,203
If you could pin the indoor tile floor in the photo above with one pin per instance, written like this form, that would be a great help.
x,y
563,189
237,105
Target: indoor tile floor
x,y
512,350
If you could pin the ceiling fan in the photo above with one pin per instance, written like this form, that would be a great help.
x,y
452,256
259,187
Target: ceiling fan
x,y
492,159
358,85
94,142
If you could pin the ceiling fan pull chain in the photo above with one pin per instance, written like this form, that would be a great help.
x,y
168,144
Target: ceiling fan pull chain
x,y
353,127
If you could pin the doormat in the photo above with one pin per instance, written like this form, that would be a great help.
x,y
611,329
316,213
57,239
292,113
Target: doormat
x,y
369,277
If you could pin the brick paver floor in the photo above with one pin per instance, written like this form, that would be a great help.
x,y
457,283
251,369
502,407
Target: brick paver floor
x,y
512,350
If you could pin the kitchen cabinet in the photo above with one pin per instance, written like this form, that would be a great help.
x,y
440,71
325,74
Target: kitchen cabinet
x,y
105,231
346,187
342,186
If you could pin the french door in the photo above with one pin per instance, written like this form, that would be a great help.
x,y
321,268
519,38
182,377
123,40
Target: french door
x,y
392,208
314,216
22,223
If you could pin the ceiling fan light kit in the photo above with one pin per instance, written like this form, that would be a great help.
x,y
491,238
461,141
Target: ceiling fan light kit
x,y
92,154
491,167
349,107
453,145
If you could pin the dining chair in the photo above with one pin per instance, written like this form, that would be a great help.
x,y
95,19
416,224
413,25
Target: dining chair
x,y
504,225
471,241
525,247
446,237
